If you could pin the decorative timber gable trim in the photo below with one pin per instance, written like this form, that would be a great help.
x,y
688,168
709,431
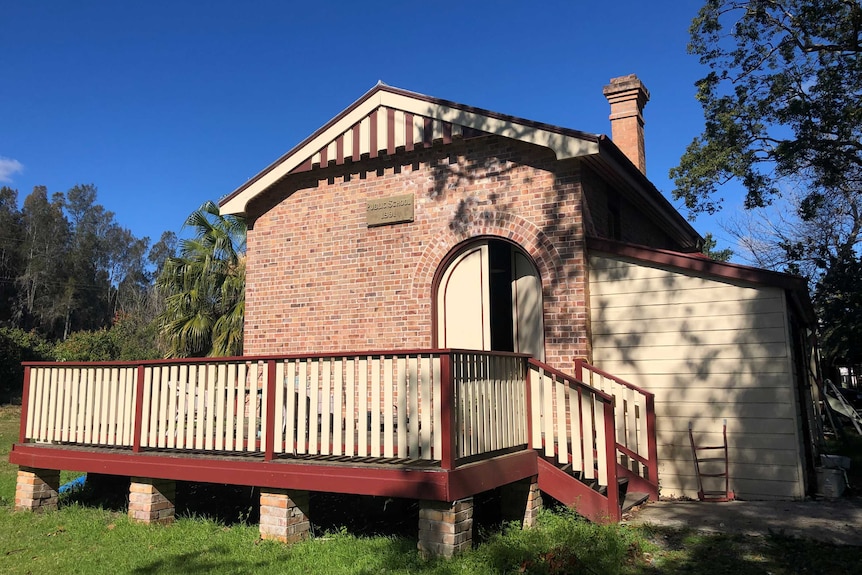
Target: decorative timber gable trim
x,y
386,119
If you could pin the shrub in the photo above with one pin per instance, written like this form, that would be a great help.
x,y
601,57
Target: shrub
x,y
87,346
17,345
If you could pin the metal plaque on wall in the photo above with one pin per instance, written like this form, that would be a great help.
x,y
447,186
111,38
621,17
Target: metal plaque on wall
x,y
392,210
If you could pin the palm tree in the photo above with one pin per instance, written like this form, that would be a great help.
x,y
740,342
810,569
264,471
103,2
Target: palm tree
x,y
204,288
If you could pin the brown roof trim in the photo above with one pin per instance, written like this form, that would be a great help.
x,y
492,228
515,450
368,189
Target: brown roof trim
x,y
697,262
381,87
489,113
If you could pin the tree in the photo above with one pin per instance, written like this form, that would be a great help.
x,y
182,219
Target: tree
x,y
11,237
204,287
839,297
43,297
709,245
17,345
783,109
782,100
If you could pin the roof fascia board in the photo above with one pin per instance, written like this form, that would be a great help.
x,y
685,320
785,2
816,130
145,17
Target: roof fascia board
x,y
795,285
698,263
236,202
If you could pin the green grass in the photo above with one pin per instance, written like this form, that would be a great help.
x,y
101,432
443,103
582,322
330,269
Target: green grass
x,y
82,539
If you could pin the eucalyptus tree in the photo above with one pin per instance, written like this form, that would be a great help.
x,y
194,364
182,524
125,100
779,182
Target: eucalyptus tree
x,y
43,293
782,104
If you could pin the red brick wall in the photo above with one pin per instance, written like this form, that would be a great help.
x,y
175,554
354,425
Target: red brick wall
x,y
318,279
635,228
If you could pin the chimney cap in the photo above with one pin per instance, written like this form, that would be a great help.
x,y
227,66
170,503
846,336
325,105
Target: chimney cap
x,y
626,87
627,96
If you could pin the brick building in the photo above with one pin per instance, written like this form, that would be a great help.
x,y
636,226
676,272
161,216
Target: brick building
x,y
412,222
441,301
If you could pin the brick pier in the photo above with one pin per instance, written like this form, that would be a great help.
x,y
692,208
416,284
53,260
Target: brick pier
x,y
284,515
522,501
37,489
152,500
445,529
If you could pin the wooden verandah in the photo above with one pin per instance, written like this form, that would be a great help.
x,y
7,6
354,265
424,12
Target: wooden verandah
x,y
437,424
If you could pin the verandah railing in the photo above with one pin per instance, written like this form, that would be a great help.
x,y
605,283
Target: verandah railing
x,y
572,423
595,427
432,405
634,425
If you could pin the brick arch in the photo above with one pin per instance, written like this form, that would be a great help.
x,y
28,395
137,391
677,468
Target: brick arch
x,y
489,223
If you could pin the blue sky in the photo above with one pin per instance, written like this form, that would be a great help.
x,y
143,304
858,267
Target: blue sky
x,y
165,104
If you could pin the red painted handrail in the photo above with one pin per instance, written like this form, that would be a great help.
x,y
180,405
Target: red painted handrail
x,y
274,357
651,458
576,381
581,365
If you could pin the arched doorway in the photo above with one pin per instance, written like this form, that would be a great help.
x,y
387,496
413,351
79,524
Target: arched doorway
x,y
490,297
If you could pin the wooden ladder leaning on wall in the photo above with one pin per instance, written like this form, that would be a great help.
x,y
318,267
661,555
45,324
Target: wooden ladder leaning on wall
x,y
713,495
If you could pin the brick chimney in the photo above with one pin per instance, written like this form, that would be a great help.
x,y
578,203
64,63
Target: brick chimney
x,y
627,96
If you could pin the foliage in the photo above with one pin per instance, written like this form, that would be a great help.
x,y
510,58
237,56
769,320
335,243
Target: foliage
x,y
17,345
10,251
838,297
87,346
782,99
70,273
783,109
135,337
709,245
65,263
204,287
128,339
563,543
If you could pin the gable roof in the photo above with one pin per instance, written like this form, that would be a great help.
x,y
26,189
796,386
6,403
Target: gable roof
x,y
386,119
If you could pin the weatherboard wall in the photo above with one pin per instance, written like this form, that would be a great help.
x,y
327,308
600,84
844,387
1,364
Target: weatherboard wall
x,y
710,349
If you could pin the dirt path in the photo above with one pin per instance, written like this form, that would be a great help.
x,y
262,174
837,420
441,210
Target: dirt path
x,y
834,521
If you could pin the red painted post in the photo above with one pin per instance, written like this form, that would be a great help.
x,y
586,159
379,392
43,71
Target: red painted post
x,y
447,412
139,410
579,369
25,404
652,448
269,432
611,455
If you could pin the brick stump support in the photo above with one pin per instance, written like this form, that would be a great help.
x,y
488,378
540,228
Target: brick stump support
x,y
284,515
445,529
152,500
521,501
37,489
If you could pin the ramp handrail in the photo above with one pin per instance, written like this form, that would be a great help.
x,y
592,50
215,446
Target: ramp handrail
x,y
573,423
635,430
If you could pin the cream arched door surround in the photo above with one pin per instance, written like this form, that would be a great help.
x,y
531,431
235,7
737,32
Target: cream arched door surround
x,y
490,297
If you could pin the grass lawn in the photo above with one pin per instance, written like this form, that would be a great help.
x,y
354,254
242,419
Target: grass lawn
x,y
90,539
